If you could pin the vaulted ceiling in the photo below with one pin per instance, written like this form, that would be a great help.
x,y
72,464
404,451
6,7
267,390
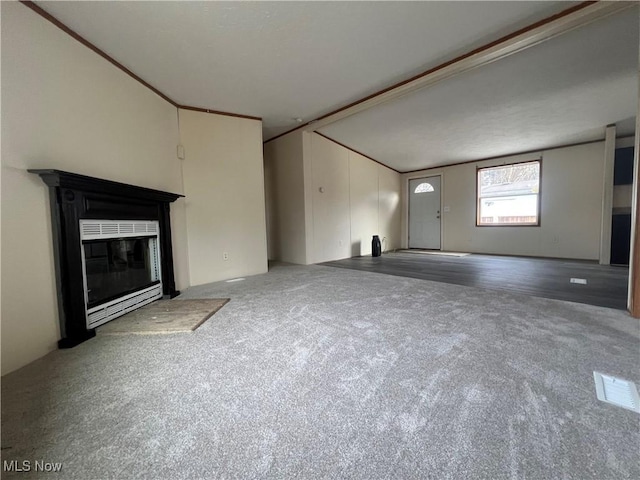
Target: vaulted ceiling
x,y
284,61
560,92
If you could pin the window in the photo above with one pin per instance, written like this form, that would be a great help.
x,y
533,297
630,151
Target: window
x,y
423,188
509,194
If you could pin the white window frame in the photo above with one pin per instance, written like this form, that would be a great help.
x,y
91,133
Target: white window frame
x,y
479,222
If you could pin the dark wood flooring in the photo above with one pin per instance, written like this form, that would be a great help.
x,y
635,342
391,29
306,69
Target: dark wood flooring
x,y
549,278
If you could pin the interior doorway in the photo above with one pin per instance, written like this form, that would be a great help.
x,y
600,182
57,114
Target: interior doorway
x,y
622,199
424,213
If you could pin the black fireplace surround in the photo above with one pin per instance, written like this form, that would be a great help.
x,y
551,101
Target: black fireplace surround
x,y
74,197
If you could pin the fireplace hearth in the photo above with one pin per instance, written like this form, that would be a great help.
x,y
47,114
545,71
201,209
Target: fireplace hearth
x,y
112,250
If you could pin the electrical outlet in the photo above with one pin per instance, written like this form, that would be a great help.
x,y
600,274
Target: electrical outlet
x,y
225,256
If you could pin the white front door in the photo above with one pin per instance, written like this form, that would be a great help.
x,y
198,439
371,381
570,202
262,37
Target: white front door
x,y
424,213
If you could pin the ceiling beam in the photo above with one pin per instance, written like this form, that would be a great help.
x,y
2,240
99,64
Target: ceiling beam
x,y
546,29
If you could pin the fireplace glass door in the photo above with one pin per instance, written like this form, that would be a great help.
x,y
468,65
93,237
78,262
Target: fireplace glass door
x,y
119,266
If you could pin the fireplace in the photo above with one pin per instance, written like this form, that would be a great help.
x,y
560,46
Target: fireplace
x,y
121,266
112,250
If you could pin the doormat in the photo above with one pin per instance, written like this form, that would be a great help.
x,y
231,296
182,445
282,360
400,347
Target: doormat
x,y
164,316
435,252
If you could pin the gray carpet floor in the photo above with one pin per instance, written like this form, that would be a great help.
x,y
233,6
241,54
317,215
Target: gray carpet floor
x,y
318,372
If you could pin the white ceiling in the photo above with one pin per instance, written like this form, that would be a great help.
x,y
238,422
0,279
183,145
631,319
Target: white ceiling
x,y
560,92
282,60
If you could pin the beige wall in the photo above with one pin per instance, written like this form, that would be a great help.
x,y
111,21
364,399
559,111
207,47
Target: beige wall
x,y
325,202
284,189
225,196
330,187
363,203
622,196
389,209
571,211
360,198
64,107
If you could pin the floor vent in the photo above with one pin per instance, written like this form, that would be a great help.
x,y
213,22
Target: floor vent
x,y
581,281
617,391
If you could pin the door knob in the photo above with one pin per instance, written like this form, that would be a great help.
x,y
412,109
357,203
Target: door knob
x,y
437,216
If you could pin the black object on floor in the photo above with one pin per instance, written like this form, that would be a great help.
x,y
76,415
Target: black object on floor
x,y
376,246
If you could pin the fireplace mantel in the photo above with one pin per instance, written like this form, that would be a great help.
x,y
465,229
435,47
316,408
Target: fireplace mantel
x,y
74,197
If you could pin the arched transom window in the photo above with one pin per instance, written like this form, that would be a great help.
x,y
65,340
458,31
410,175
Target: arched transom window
x,y
423,188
